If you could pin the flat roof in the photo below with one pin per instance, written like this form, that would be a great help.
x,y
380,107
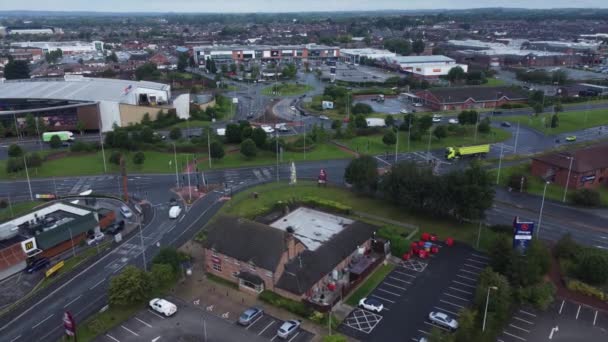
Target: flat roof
x,y
264,47
422,59
367,51
490,48
312,227
74,88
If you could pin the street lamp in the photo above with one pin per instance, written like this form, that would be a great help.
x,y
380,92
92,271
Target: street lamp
x,y
175,160
568,179
485,314
502,146
542,205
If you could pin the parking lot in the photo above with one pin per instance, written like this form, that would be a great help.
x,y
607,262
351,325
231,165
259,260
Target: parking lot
x,y
266,326
130,330
444,282
574,322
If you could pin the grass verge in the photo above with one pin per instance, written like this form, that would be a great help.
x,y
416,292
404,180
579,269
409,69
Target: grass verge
x,y
286,89
568,121
17,209
104,321
369,284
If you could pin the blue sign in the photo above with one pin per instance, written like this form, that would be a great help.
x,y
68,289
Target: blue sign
x,y
522,234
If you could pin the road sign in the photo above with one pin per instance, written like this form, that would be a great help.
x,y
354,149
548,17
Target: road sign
x,y
522,234
69,324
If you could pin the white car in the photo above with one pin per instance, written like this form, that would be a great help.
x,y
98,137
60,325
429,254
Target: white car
x,y
288,328
174,211
126,212
163,306
443,320
281,127
293,108
95,239
323,117
453,121
404,111
436,118
371,304
221,132
417,104
267,129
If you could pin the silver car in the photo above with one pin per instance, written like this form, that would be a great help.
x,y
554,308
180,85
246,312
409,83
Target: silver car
x,y
444,320
288,328
250,315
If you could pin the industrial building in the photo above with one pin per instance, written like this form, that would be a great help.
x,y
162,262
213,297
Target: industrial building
x,y
424,67
96,102
224,54
355,55
18,30
68,48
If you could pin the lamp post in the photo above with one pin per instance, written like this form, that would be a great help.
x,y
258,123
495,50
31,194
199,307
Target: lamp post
x,y
175,160
27,174
568,179
276,139
143,247
540,214
485,313
499,163
516,138
396,145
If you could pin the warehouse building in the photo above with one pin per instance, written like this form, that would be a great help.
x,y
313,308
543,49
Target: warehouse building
x,y
96,102
424,67
225,54
68,47
356,55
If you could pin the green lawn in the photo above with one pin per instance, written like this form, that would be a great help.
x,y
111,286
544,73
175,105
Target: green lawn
x,y
18,209
568,121
373,144
286,89
369,284
494,82
191,124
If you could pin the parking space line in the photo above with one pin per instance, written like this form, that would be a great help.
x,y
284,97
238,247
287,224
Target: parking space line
x,y
112,337
268,326
476,267
401,280
456,305
578,311
499,340
477,261
520,328
527,313
447,294
424,332
389,284
459,290
595,317
155,314
254,322
480,256
388,300
463,284
129,330
149,326
435,325
405,274
272,339
294,336
446,310
461,276
523,320
463,270
389,292
561,306
517,337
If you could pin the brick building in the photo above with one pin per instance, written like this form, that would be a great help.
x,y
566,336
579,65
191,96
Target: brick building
x,y
292,256
589,167
470,97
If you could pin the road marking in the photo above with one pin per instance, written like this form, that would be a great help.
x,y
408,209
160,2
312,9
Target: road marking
x,y
595,317
145,323
112,337
272,339
517,337
181,218
476,267
463,284
405,274
424,332
520,328
523,320
294,336
561,306
16,338
129,330
389,292
463,270
461,276
397,279
268,326
72,301
254,322
446,310
447,294
527,313
477,261
120,268
456,305
388,300
389,284
436,325
578,311
480,256
44,320
459,290
155,314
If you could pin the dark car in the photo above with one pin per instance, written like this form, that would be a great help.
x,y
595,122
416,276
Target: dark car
x,y
38,265
115,228
497,112
505,124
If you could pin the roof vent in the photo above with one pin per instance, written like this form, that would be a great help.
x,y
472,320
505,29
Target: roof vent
x,y
290,230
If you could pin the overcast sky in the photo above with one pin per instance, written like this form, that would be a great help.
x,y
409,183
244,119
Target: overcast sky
x,y
279,5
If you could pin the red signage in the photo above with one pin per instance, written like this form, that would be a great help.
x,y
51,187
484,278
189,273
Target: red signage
x,y
216,260
322,176
69,324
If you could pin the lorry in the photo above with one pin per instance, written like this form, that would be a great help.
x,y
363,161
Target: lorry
x,y
466,151
63,136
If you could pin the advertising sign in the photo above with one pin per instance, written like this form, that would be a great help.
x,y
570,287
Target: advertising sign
x,y
69,324
522,234
29,245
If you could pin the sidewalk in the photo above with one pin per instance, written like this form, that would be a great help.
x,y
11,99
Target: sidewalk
x,y
223,301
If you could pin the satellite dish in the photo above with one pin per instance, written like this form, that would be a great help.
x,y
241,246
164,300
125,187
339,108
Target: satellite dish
x,y
86,193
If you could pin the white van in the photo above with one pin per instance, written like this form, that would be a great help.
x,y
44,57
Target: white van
x,y
163,307
174,211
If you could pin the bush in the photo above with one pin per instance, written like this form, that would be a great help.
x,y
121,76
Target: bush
x,y
34,160
566,247
248,148
593,267
540,296
586,198
217,150
15,150
14,165
81,146
362,108
297,308
516,183
175,133
397,237
55,141
586,289
115,157
139,158
327,204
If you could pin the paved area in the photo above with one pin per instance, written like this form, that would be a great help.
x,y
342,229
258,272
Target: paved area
x,y
266,327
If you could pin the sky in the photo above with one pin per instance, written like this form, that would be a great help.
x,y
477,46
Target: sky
x,y
235,6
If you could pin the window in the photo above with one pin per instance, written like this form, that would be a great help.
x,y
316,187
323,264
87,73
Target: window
x,y
217,267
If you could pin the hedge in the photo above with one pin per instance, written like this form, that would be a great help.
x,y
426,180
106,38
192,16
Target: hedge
x,y
327,204
290,305
586,289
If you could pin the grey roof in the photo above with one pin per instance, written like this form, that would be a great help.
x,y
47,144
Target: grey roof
x,y
303,271
55,236
479,94
79,89
247,241
265,47
422,59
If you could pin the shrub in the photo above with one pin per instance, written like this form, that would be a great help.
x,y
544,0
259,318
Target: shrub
x,y
290,305
593,267
362,108
217,150
540,295
81,146
586,198
327,204
248,148
586,289
34,160
175,133
397,237
14,165
566,247
15,150
55,141
115,157
139,158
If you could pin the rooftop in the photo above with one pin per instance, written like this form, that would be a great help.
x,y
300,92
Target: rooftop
x,y
478,94
367,51
513,47
264,47
587,159
422,59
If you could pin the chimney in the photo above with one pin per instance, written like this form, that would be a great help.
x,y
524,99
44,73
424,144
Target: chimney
x,y
290,243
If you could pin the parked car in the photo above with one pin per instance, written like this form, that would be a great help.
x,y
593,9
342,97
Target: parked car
x,y
404,111
371,304
126,212
293,108
95,239
250,315
288,328
571,138
38,265
417,104
453,121
323,117
436,118
115,228
267,129
174,211
281,127
443,320
163,306
250,115
505,124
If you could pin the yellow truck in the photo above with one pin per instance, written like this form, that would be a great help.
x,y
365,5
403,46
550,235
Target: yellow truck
x,y
466,151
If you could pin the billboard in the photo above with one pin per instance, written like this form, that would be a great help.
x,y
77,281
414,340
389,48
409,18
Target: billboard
x,y
522,234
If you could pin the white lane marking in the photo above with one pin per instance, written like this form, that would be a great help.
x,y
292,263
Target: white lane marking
x,y
44,320
447,294
475,267
424,332
16,338
517,337
527,313
389,284
446,310
561,306
463,284
389,292
595,318
155,314
144,322
97,284
129,330
382,298
254,322
397,279
112,337
405,274
272,339
72,301
523,320
578,311
456,305
520,328
480,256
471,272
436,325
268,326
459,290
461,276
477,261
294,336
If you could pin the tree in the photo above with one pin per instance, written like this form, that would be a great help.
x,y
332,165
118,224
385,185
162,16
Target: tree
x,y
147,70
55,141
500,303
170,256
389,121
112,58
558,107
146,135
389,138
182,62
468,117
467,327
418,46
248,148
14,70
529,269
290,71
425,123
500,253
31,128
80,127
233,133
484,126
246,132
456,74
593,267
217,150
362,108
440,132
162,275
138,158
360,121
131,286
362,174
336,124
53,56
566,247
34,160
554,121
398,45
586,197
175,133
15,150
224,69
210,65
471,192
258,135
115,157
233,68
2,130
